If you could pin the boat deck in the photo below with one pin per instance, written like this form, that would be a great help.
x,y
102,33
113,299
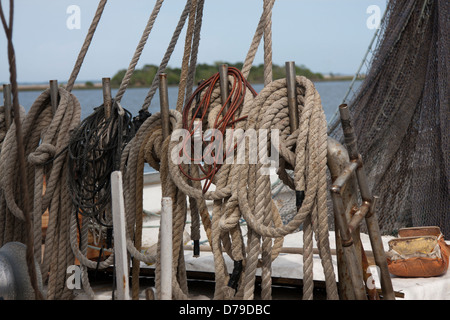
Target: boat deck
x,y
287,270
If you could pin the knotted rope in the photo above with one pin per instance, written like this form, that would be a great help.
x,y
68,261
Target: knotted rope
x,y
46,137
95,150
243,190
269,110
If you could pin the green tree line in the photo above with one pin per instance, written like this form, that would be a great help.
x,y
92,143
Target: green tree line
x,y
143,77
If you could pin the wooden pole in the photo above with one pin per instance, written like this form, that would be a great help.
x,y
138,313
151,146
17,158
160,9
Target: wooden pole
x,y
120,242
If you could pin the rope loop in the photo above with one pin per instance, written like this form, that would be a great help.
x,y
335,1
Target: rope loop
x,y
44,153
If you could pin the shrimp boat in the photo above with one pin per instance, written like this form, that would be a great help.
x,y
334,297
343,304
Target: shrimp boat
x,y
253,195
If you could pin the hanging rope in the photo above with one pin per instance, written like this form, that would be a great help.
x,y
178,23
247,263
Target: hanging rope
x,y
20,146
46,136
309,163
181,181
267,10
241,192
222,122
138,51
263,21
186,56
94,152
195,44
86,44
167,55
249,193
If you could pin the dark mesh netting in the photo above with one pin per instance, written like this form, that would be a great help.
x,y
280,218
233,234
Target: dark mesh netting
x,y
401,116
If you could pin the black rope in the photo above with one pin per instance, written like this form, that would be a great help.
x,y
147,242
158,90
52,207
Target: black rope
x,y
94,152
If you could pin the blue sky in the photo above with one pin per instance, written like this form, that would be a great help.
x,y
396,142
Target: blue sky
x,y
324,35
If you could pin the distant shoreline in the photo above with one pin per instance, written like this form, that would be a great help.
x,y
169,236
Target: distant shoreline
x,y
92,86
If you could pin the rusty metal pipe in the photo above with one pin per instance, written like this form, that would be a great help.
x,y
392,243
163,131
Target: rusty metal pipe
x,y
373,206
164,105
107,97
291,84
337,160
54,95
292,95
349,252
349,132
224,91
359,216
345,175
371,220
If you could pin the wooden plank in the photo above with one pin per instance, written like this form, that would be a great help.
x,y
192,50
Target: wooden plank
x,y
120,249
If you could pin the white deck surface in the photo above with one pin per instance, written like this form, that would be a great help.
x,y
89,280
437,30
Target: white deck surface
x,y
290,265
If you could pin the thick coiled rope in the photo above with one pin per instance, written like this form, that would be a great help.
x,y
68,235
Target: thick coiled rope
x,y
46,136
269,110
148,146
243,190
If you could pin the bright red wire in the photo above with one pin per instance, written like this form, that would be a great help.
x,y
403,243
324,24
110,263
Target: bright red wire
x,y
235,101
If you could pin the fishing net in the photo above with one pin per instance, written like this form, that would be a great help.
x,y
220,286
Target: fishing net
x,y
401,115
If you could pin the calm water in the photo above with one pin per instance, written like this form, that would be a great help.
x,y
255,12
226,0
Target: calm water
x,y
331,93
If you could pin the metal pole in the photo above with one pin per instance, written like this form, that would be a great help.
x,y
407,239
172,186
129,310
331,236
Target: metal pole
x,y
7,104
292,95
54,94
166,248
337,161
291,84
355,273
164,105
224,92
366,195
107,98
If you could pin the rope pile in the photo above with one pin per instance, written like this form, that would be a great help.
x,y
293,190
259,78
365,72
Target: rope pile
x,y
46,137
90,161
69,166
221,122
241,191
94,152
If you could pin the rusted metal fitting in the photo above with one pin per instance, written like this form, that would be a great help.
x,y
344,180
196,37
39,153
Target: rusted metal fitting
x,y
373,206
347,243
335,189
